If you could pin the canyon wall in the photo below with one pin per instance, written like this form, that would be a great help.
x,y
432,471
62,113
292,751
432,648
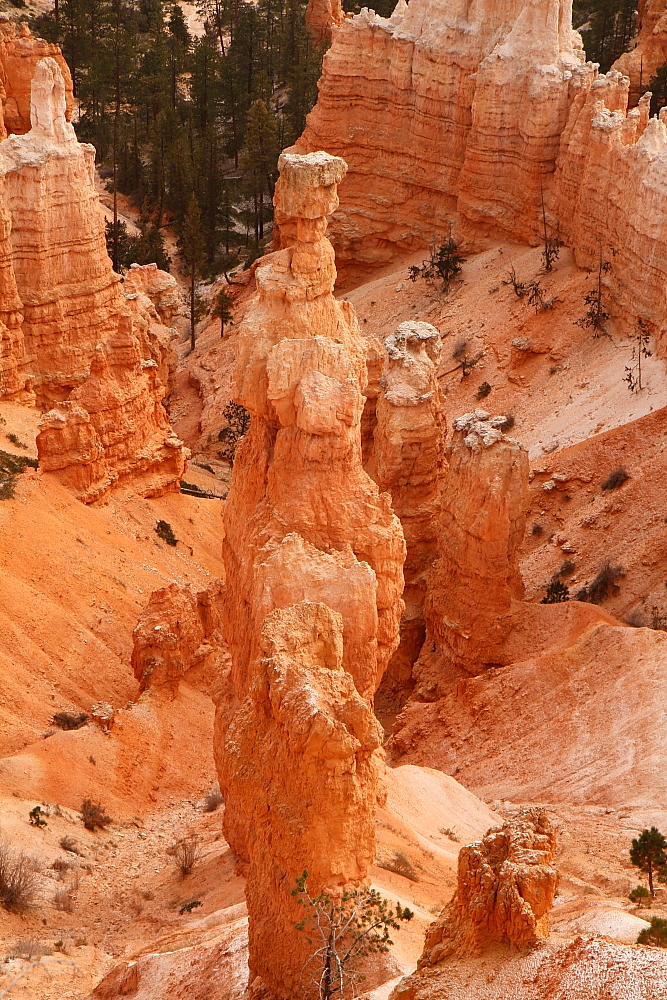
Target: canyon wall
x,y
506,887
67,331
409,465
19,54
650,52
444,105
321,16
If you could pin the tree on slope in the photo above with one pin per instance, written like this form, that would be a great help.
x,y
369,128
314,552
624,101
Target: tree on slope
x,y
191,248
648,854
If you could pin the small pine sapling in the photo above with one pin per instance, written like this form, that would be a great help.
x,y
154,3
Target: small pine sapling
x,y
648,854
222,309
557,592
238,424
640,896
596,315
656,934
633,374
444,263
35,817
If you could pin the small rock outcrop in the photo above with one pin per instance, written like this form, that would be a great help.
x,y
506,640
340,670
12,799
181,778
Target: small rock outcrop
x,y
300,763
322,16
409,465
506,888
178,634
303,519
484,504
20,52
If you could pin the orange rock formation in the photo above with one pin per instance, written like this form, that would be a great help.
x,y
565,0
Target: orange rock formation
x,y
19,56
506,887
650,52
178,633
485,498
303,520
300,763
322,16
409,444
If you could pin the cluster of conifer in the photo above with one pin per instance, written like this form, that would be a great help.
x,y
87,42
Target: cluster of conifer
x,y
189,127
607,27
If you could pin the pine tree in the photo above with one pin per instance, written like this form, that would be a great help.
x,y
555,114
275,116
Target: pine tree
x,y
259,161
648,853
222,310
191,249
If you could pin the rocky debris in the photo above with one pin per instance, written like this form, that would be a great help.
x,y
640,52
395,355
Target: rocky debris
x,y
409,465
481,527
154,301
303,520
506,887
178,635
20,52
300,762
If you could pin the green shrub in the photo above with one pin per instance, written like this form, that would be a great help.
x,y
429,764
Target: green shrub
x,y
165,531
656,934
93,815
67,721
557,592
640,895
483,391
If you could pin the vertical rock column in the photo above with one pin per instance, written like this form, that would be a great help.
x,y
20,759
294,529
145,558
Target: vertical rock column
x,y
303,520
409,456
300,763
484,503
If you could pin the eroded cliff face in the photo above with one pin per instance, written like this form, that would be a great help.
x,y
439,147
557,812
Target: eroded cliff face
x,y
300,765
482,524
322,16
303,520
444,105
506,888
66,327
409,465
650,52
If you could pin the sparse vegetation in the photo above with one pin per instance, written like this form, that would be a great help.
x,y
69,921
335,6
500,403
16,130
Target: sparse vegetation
x,y
537,530
35,817
186,853
18,878
238,424
16,442
213,799
596,315
68,721
343,930
633,373
552,244
648,854
615,479
640,896
482,391
29,949
602,586
520,287
222,309
400,864
62,900
467,365
557,592
165,531
189,907
537,297
444,263
452,834
566,568
656,934
459,348
15,464
68,843
93,815
510,421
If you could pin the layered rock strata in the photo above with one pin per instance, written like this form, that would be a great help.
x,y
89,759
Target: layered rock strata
x,y
65,321
300,764
409,465
506,888
20,53
303,520
445,105
481,527
322,16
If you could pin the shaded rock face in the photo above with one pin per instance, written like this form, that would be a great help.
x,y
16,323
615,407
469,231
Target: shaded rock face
x,y
473,584
300,763
456,106
65,327
506,888
650,52
322,16
178,634
303,520
20,53
409,465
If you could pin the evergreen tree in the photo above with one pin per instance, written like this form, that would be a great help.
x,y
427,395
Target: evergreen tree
x,y
222,309
259,162
191,248
648,853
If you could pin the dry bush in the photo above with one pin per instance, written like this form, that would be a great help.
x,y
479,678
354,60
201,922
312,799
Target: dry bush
x,y
62,900
67,721
19,880
93,815
29,948
400,864
213,799
70,844
186,853
615,479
